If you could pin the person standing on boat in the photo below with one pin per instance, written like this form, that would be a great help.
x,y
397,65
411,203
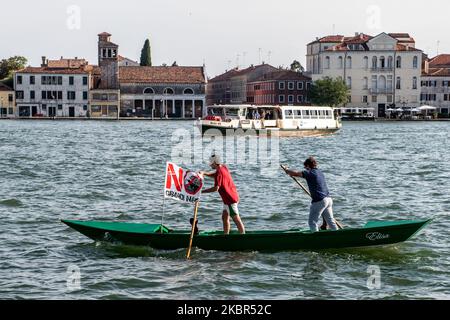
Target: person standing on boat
x,y
223,183
322,203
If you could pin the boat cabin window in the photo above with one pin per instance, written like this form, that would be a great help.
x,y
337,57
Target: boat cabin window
x,y
232,112
321,114
215,111
288,114
297,114
305,114
314,114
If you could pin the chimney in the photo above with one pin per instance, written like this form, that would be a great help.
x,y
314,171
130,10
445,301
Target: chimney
x,y
356,34
44,61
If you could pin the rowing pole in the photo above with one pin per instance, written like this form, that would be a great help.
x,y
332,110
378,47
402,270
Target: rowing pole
x,y
188,255
308,193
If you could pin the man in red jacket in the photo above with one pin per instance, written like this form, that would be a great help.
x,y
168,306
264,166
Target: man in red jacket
x,y
223,183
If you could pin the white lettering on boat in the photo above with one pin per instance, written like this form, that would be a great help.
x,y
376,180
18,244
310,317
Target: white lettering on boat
x,y
373,236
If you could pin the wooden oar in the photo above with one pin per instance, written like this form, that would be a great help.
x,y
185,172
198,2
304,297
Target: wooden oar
x,y
188,255
308,193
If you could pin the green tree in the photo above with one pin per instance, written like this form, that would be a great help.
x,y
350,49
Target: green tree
x,y
329,92
297,66
8,66
146,54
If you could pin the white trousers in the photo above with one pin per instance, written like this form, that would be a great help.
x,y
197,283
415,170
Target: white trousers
x,y
317,210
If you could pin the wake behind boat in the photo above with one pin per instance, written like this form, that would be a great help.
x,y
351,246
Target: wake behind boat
x,y
374,233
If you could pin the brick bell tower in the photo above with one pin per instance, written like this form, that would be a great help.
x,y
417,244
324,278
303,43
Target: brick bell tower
x,y
108,61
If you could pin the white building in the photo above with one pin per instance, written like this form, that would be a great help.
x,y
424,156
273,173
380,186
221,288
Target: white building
x,y
58,88
382,71
436,84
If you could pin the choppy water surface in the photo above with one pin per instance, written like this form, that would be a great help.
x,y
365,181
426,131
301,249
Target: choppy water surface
x,y
114,171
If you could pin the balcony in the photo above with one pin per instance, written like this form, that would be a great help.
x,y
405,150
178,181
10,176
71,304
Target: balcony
x,y
382,69
381,91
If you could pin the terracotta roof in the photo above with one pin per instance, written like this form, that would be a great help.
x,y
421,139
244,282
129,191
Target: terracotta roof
x,y
282,75
328,39
438,72
251,68
48,70
343,42
361,38
4,87
236,73
224,76
161,75
67,63
401,47
399,35
442,60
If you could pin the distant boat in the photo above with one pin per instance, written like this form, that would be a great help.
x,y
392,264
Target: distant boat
x,y
294,121
156,236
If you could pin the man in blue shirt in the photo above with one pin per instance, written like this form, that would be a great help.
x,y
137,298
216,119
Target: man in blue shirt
x,y
322,203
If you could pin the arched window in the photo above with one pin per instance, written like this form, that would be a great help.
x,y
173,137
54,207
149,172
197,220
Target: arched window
x,y
149,91
374,62
399,62
415,83
390,62
349,62
382,62
382,83
365,83
188,91
415,62
168,91
341,62
349,82
366,62
398,83
327,62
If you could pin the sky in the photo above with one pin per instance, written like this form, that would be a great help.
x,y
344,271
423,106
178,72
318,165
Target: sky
x,y
219,34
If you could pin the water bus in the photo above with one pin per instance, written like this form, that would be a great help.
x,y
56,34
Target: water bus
x,y
298,121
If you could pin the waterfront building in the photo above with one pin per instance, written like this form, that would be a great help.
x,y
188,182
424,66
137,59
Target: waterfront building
x,y
283,87
219,88
162,92
58,88
104,97
152,92
381,71
7,102
435,84
231,87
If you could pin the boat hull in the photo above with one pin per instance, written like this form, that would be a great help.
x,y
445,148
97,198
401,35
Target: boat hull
x,y
214,131
373,234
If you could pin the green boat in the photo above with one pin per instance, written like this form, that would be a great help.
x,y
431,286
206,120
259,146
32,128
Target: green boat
x,y
157,236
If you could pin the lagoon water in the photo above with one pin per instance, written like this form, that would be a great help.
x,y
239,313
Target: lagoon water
x,y
114,171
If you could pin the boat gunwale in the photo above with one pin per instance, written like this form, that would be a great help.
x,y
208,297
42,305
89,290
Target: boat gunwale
x,y
260,233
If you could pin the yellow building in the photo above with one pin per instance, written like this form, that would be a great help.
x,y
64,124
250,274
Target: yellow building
x,y
7,102
104,103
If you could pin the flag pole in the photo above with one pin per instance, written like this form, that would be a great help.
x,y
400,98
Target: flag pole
x,y
188,255
163,212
